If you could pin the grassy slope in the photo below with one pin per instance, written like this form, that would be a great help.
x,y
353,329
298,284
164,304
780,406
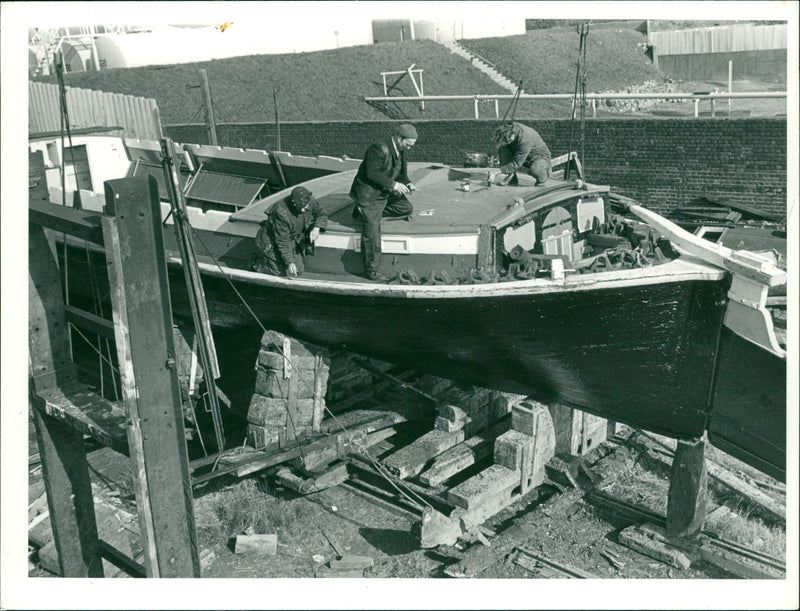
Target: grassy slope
x,y
331,85
322,85
546,59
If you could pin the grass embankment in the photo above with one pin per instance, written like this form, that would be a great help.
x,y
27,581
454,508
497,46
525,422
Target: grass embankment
x,y
546,60
331,85
317,86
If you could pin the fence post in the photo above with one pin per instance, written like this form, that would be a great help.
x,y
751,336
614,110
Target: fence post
x,y
696,108
496,109
730,85
475,103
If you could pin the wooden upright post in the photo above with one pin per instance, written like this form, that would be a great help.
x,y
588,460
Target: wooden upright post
x,y
686,502
64,465
134,245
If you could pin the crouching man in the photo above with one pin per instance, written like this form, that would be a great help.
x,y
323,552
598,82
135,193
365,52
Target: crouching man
x,y
522,149
292,227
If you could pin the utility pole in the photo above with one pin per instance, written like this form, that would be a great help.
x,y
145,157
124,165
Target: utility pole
x,y
93,34
277,117
209,108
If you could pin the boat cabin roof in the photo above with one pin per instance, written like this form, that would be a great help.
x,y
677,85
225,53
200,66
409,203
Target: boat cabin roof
x,y
441,205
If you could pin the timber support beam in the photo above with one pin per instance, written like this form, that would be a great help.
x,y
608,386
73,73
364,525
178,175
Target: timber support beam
x,y
686,502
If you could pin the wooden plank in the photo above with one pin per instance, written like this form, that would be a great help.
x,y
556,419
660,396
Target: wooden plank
x,y
317,452
78,407
411,459
650,541
263,545
352,561
92,322
456,459
377,419
563,567
741,562
151,393
320,387
82,224
748,492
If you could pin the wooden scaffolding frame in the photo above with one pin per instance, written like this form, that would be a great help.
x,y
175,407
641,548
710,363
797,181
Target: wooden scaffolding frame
x,y
148,426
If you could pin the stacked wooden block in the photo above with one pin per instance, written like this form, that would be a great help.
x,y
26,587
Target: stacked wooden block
x,y
463,413
577,432
289,398
520,455
482,406
346,378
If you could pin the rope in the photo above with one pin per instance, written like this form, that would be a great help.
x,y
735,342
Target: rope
x,y
580,90
288,411
86,339
229,281
380,469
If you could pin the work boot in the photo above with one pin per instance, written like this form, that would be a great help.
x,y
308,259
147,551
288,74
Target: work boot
x,y
376,276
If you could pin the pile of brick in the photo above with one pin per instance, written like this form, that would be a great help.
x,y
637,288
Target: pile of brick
x,y
289,398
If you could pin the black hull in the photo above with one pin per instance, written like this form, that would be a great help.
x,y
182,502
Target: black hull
x,y
643,355
749,405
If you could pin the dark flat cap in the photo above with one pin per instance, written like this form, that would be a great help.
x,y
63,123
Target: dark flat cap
x,y
406,130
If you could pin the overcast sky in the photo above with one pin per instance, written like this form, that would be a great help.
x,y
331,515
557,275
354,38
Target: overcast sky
x,y
51,14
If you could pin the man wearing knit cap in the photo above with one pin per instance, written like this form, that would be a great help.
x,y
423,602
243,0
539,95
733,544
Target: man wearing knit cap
x,y
380,189
293,225
522,149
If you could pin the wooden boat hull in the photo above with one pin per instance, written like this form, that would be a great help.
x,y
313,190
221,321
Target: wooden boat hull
x,y
750,388
643,355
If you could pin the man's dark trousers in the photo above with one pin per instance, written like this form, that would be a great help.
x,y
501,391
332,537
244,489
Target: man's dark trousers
x,y
372,212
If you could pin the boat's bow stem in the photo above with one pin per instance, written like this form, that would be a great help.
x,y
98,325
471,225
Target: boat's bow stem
x,y
752,276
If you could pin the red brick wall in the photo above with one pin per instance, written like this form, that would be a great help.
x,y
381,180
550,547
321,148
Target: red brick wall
x,y
664,163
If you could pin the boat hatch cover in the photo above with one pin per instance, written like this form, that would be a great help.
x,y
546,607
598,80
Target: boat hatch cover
x,y
238,191
157,172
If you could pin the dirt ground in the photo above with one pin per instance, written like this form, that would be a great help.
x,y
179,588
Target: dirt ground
x,y
565,525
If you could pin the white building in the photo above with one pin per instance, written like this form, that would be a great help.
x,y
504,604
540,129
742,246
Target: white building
x,y
445,30
272,34
173,45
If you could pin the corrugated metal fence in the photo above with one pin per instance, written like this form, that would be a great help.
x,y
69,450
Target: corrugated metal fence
x,y
88,108
724,39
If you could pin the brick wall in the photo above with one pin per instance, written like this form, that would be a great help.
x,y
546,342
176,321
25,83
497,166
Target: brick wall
x,y
664,163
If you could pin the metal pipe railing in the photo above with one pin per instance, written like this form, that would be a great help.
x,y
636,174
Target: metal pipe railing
x,y
696,97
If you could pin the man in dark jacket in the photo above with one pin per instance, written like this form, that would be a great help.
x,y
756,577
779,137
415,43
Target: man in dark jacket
x,y
379,189
521,148
292,226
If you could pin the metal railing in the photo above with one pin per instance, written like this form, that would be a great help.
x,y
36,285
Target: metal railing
x,y
592,97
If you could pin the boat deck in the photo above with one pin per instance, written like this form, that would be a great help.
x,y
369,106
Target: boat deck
x,y
441,205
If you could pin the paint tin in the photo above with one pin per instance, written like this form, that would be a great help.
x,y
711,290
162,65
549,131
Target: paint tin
x,y
465,185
